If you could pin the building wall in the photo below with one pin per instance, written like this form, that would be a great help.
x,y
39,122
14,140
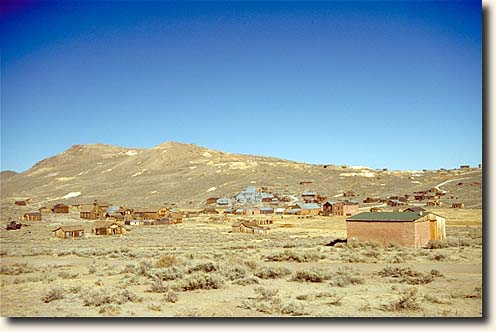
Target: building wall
x,y
349,210
401,233
422,233
63,209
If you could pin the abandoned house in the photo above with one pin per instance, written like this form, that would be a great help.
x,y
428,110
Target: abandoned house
x,y
434,203
247,227
107,228
409,229
307,209
32,216
416,209
212,200
327,208
457,205
395,202
376,209
279,210
345,208
266,210
92,212
21,203
60,208
45,209
66,232
209,210
147,213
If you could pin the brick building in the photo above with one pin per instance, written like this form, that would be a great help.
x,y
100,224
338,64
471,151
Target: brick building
x,y
409,229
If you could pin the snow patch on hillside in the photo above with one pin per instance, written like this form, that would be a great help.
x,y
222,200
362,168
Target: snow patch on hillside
x,y
207,154
106,171
72,194
192,167
139,173
211,189
131,153
363,173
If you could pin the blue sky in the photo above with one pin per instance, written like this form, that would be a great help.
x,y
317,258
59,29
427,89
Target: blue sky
x,y
382,84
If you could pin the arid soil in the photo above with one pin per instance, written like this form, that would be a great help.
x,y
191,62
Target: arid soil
x,y
199,268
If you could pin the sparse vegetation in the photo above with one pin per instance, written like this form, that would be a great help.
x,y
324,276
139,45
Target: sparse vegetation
x,y
408,301
271,272
408,275
53,294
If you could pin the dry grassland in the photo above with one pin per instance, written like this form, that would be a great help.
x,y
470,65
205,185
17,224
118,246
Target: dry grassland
x,y
199,268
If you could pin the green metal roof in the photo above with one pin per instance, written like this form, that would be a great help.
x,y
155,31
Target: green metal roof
x,y
386,216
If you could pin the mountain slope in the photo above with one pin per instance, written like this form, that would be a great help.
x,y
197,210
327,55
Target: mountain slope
x,y
187,174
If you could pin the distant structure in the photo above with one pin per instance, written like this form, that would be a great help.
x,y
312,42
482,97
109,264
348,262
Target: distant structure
x,y
32,216
409,229
250,195
464,166
67,232
60,208
249,227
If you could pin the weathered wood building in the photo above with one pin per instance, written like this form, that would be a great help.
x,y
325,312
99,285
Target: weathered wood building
x,y
66,232
60,208
107,228
32,216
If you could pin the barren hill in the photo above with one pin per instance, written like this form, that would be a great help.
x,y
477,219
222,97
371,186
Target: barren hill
x,y
187,174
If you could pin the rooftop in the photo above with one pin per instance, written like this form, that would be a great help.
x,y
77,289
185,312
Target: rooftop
x,y
385,216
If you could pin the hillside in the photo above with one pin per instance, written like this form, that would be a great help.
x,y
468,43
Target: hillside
x,y
187,174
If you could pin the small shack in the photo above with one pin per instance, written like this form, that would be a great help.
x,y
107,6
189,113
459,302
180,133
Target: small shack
x,y
457,205
60,208
66,232
32,216
13,225
279,211
107,228
21,203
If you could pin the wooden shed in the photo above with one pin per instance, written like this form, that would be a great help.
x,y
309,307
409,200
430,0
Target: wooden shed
x,y
60,208
107,228
21,203
457,205
32,216
66,232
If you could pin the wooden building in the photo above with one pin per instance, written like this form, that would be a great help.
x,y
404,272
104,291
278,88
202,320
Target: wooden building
x,y
32,216
92,212
416,209
247,227
434,203
209,210
45,209
395,202
376,209
114,216
148,213
212,200
457,205
266,210
21,203
60,208
409,229
67,232
107,228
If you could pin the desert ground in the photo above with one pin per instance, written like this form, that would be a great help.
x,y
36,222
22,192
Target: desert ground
x,y
199,268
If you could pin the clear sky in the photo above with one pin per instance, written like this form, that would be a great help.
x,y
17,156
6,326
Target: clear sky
x,y
381,84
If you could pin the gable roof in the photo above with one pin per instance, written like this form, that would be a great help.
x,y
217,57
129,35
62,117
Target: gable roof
x,y
386,216
414,209
70,228
105,224
308,206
